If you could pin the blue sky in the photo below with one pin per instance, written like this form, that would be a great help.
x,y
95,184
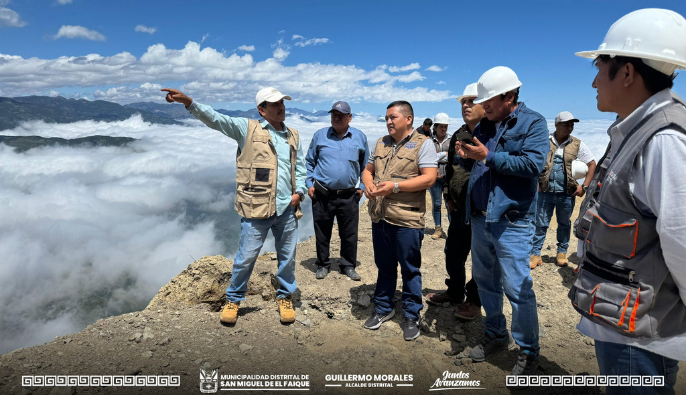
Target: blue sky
x,y
366,52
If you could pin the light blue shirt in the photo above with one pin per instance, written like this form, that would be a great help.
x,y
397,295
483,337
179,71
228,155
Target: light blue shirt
x,y
237,128
337,163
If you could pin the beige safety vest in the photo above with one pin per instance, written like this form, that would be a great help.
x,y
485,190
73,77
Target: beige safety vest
x,y
256,172
571,151
403,208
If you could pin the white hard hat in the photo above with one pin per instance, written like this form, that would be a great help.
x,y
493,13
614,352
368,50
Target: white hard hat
x,y
469,91
579,169
656,36
496,81
442,118
271,95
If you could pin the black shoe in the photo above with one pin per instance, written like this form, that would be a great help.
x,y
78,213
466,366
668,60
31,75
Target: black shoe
x,y
322,272
350,272
527,362
375,321
410,329
490,345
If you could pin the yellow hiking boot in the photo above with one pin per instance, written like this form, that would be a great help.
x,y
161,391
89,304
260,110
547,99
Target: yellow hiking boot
x,y
286,309
535,260
438,233
561,260
229,313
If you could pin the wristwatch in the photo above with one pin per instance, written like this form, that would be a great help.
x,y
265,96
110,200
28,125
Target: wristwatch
x,y
302,195
585,187
396,188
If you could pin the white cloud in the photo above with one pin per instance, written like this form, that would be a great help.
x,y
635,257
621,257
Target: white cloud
x,y
414,76
9,18
204,37
396,69
435,68
69,31
208,74
280,54
145,29
246,48
64,1
440,83
312,41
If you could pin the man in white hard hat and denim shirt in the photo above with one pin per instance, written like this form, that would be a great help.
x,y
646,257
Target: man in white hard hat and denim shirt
x,y
506,159
270,184
631,287
558,189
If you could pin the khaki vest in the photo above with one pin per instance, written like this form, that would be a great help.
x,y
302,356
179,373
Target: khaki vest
x,y
624,283
403,208
571,151
256,167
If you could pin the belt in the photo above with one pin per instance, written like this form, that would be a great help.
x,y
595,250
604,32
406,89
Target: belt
x,y
342,191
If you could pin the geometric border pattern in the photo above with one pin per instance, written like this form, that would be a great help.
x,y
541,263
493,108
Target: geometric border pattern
x,y
100,381
585,381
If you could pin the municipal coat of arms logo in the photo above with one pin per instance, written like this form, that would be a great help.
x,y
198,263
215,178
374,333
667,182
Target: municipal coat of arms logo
x,y
208,381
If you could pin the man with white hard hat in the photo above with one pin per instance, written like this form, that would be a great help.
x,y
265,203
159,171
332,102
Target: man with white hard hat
x,y
458,243
442,143
631,289
270,184
558,187
506,158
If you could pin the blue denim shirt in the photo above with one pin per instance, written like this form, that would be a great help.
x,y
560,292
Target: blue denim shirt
x,y
337,163
521,146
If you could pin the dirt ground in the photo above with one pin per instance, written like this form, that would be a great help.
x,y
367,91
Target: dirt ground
x,y
326,339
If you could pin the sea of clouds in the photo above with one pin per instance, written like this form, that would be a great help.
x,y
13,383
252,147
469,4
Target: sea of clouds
x,y
93,232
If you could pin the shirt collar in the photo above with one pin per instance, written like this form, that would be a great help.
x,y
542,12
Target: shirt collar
x,y
552,138
514,114
268,126
655,102
332,131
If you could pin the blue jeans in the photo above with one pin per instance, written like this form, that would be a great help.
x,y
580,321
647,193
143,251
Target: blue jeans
x,y
436,192
500,257
253,233
395,245
622,359
563,205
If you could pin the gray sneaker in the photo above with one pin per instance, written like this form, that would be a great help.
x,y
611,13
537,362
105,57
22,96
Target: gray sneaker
x,y
527,362
375,321
490,345
410,329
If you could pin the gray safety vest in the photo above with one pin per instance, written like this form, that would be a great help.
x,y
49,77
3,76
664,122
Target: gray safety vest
x,y
623,281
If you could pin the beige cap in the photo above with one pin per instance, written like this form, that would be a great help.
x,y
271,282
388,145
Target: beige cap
x,y
565,116
271,95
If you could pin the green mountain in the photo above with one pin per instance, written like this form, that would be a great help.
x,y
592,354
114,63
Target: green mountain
x,y
15,110
25,143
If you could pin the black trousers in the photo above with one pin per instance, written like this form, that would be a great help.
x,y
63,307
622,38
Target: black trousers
x,y
345,208
457,247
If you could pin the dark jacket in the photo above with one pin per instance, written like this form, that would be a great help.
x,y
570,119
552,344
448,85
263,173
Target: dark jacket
x,y
456,177
518,159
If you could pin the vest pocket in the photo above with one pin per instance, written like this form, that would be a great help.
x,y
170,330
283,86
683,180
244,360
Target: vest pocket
x,y
253,202
608,303
409,211
261,175
615,231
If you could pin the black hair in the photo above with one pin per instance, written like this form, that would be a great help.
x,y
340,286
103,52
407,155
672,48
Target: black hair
x,y
263,105
515,93
428,121
653,80
405,107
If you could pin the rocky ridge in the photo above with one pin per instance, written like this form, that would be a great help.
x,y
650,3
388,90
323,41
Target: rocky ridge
x,y
179,332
